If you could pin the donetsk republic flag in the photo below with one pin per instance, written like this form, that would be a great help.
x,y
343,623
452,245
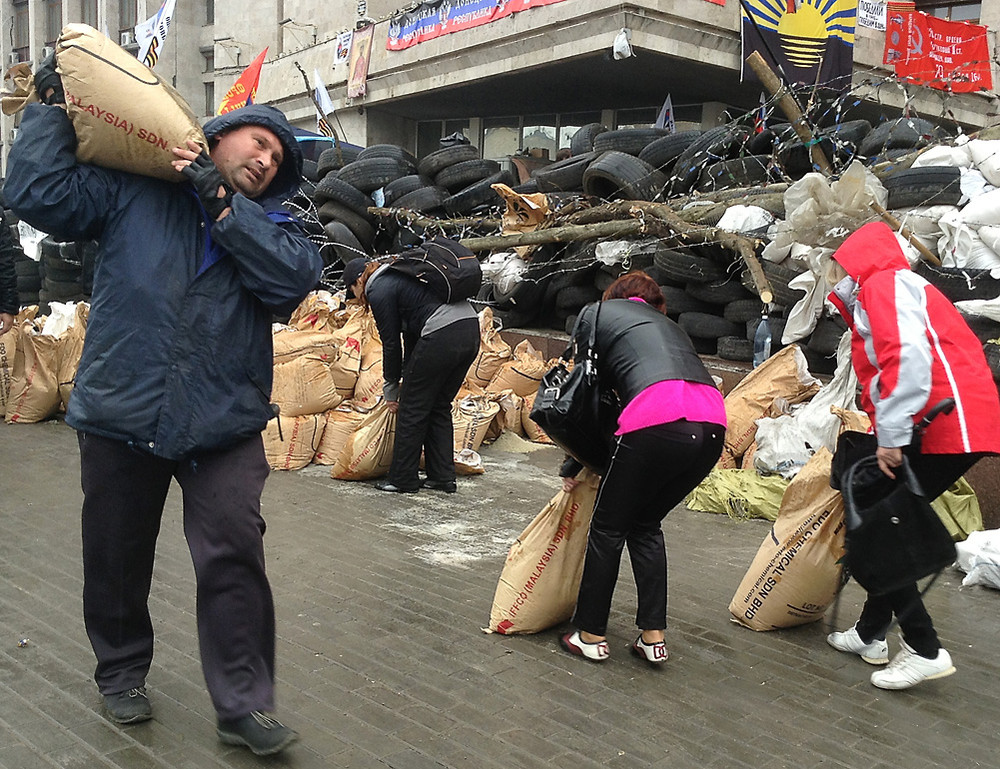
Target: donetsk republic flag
x,y
813,40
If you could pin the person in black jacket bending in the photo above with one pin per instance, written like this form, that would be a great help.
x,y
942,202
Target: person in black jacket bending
x,y
422,374
669,436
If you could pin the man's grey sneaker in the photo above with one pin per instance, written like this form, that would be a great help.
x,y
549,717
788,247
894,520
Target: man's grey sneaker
x,y
128,707
908,669
874,653
264,735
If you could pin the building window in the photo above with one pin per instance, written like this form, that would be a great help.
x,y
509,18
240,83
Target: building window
x,y
210,11
210,98
570,123
635,118
208,61
53,21
501,137
21,30
953,10
88,13
539,135
128,16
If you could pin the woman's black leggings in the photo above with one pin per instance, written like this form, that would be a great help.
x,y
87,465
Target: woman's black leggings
x,y
651,471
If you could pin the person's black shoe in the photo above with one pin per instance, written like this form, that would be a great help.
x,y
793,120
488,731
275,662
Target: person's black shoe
x,y
128,707
383,484
264,735
448,487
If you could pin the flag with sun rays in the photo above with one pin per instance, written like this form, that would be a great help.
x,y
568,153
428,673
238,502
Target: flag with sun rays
x,y
811,41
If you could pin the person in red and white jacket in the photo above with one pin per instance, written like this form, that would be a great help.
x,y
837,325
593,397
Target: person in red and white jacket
x,y
910,349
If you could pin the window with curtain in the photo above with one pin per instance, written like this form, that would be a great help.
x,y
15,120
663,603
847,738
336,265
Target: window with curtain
x,y
953,10
53,21
128,14
88,13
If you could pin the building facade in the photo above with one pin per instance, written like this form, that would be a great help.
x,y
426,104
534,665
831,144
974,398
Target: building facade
x,y
525,81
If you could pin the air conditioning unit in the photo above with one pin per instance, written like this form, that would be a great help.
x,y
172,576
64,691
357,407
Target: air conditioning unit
x,y
47,51
126,38
13,58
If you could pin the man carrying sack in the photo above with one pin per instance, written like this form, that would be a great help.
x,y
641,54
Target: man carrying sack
x,y
174,382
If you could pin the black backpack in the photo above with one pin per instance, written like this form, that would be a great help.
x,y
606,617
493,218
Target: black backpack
x,y
446,267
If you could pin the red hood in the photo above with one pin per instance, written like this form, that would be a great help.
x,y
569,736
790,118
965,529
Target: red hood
x,y
873,248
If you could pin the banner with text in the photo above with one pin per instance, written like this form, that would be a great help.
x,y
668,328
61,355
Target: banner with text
x,y
441,17
947,55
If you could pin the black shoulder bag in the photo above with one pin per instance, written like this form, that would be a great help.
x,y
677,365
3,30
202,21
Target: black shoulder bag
x,y
572,409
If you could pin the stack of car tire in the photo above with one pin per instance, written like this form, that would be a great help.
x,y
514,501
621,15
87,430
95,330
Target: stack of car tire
x,y
66,270
451,181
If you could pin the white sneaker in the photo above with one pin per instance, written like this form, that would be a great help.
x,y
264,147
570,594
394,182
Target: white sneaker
x,y
908,669
874,653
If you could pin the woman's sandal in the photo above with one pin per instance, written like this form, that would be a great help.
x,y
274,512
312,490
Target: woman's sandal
x,y
655,653
595,652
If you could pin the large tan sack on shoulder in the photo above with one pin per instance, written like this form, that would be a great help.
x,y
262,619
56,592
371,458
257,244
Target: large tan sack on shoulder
x,y
70,349
797,571
341,423
34,384
471,418
493,352
290,442
784,375
125,116
541,576
368,452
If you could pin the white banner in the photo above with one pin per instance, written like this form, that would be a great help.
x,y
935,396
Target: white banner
x,y
871,13
152,34
343,53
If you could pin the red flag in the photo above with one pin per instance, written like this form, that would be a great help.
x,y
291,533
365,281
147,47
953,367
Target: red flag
x,y
244,90
947,55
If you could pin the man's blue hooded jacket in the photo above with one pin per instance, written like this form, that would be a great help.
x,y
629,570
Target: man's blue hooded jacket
x,y
177,356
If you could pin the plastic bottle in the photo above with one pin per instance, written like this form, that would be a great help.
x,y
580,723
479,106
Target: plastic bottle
x,y
762,342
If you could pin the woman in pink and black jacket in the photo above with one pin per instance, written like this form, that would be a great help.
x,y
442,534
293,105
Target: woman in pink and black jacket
x,y
910,349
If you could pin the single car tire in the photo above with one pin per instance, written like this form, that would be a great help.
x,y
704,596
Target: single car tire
x,y
29,283
901,133
431,165
662,153
333,188
707,326
460,175
924,186
630,141
960,283
565,175
680,301
575,297
746,171
393,151
423,200
332,211
825,338
371,174
778,276
583,140
404,185
333,159
619,176
722,292
25,266
735,348
743,310
478,194
687,267
310,170
716,144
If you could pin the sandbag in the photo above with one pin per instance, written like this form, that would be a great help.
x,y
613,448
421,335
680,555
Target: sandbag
x,y
797,571
34,384
341,423
471,418
740,494
541,576
70,350
368,387
289,344
493,352
290,442
368,451
304,385
8,347
125,116
319,311
522,374
784,375
531,429
468,462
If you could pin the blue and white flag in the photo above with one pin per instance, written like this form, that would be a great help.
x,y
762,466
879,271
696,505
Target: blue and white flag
x,y
665,119
152,34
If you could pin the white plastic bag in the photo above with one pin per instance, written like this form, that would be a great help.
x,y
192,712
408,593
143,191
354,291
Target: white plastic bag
x,y
979,558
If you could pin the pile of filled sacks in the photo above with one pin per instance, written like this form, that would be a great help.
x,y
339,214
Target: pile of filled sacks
x,y
328,393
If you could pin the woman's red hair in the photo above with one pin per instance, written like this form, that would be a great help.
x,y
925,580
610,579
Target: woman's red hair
x,y
637,284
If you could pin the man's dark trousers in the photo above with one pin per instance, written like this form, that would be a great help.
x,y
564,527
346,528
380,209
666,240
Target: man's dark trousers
x,y
124,490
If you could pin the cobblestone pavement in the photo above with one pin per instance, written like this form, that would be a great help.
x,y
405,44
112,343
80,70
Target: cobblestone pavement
x,y
382,661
